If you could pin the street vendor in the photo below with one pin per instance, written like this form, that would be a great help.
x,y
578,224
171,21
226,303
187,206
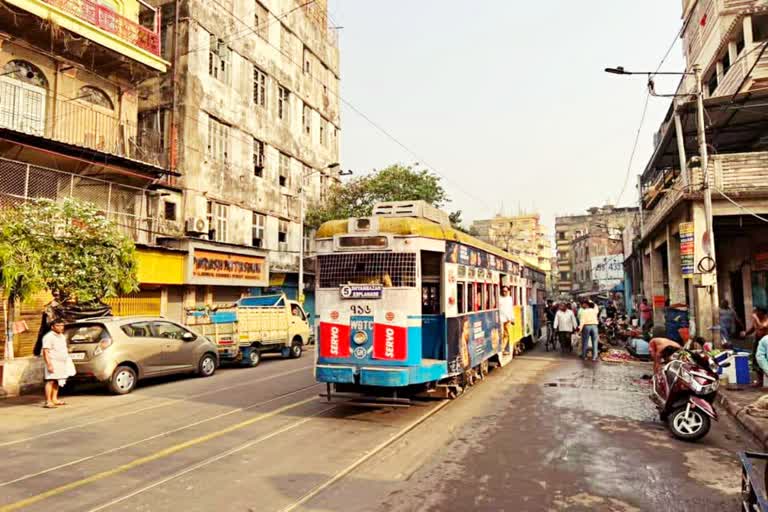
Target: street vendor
x,y
661,349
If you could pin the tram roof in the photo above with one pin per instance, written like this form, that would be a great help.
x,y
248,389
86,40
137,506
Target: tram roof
x,y
412,226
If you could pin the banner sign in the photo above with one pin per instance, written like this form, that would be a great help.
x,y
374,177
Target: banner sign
x,y
471,339
334,340
390,337
360,291
227,266
687,248
465,255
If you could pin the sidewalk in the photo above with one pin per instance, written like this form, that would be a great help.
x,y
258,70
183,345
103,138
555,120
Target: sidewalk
x,y
735,402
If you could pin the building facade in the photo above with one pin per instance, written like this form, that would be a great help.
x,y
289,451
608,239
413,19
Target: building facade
x,y
597,263
681,260
251,115
522,235
607,221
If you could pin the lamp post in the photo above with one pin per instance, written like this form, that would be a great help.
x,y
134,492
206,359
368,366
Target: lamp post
x,y
709,235
300,293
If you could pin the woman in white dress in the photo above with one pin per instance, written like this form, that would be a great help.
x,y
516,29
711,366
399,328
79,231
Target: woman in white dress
x,y
58,365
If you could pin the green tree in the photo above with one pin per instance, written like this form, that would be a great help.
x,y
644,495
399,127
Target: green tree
x,y
68,246
357,197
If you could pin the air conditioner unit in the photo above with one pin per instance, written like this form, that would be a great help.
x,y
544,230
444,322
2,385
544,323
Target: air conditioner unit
x,y
196,226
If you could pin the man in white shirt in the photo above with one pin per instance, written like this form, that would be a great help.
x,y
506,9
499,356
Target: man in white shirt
x,y
506,316
565,324
58,366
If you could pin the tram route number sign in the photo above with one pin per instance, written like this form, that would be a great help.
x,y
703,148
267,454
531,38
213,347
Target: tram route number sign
x,y
360,291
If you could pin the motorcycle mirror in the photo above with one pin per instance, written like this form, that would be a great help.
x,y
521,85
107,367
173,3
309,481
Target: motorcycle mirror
x,y
724,365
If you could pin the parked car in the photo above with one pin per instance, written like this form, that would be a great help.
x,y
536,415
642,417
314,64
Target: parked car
x,y
120,351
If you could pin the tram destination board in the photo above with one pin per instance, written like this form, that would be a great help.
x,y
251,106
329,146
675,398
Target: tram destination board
x,y
360,291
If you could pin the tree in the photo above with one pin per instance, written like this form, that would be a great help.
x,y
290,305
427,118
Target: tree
x,y
357,197
69,246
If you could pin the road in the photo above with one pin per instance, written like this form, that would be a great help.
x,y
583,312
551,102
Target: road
x,y
544,433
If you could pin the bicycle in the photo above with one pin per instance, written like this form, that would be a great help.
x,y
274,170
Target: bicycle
x,y
551,338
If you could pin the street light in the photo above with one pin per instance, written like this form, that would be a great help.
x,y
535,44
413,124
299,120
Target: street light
x,y
340,172
703,156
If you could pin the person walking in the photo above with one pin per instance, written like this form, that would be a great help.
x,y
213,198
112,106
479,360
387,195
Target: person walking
x,y
588,322
58,365
729,320
646,313
564,325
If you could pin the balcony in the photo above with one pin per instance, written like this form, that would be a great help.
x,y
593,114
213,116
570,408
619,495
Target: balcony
x,y
128,207
113,31
76,123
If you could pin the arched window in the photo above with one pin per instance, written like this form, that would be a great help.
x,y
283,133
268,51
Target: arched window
x,y
25,72
96,96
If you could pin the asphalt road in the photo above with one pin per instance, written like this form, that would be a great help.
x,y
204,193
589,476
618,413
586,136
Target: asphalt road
x,y
544,433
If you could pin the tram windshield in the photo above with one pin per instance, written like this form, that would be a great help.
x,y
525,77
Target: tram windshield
x,y
387,269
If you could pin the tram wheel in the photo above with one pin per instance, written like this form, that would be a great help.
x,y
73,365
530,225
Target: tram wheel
x,y
484,369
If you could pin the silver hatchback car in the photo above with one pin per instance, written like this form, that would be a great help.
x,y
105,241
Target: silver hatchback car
x,y
122,350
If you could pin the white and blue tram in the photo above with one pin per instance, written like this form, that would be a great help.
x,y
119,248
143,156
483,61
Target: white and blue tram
x,y
406,301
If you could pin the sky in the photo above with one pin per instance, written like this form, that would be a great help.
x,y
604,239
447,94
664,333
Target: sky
x,y
506,100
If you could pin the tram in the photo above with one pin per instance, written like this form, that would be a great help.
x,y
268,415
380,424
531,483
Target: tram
x,y
406,302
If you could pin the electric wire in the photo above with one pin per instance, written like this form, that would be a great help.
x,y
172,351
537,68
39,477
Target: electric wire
x,y
740,206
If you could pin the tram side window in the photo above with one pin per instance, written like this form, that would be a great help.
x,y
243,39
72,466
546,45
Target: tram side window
x,y
487,288
460,302
476,297
495,297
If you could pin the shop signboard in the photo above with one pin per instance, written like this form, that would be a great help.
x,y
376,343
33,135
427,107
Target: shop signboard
x,y
608,270
227,266
687,248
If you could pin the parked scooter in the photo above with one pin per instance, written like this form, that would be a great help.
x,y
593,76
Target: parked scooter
x,y
684,391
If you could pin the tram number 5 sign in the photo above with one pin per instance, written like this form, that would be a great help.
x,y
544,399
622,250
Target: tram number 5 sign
x,y
390,340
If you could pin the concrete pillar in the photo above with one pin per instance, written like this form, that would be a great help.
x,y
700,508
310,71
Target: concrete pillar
x,y
657,285
705,296
164,301
676,281
189,300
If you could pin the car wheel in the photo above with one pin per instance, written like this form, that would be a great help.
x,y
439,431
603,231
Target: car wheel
x,y
123,380
296,348
207,366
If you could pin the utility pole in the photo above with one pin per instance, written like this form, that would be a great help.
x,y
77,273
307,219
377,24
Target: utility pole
x,y
709,245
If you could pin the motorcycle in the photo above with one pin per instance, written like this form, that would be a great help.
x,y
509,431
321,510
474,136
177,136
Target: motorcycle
x,y
684,391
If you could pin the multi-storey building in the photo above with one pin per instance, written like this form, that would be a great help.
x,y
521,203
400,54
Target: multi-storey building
x,y
727,41
608,220
522,235
70,77
597,262
251,112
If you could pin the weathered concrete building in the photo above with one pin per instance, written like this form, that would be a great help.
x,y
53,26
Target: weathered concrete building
x,y
250,114
681,261
568,228
597,256
522,235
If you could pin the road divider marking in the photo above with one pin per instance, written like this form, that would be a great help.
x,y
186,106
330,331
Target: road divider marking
x,y
156,436
150,407
212,460
149,458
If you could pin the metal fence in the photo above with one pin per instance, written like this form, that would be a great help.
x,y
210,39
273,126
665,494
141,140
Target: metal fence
x,y
129,207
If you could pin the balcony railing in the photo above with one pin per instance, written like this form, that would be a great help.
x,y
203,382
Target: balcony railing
x,y
33,110
107,19
128,207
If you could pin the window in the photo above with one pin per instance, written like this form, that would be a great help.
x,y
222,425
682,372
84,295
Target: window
x,y
307,61
712,84
323,187
286,40
282,235
561,235
726,62
323,132
218,140
95,96
218,220
257,229
564,276
219,57
283,104
25,72
389,269
284,175
169,210
258,158
460,302
306,119
487,292
740,44
759,28
137,330
168,330
260,20
259,87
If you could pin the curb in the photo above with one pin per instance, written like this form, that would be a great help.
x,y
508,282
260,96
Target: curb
x,y
747,422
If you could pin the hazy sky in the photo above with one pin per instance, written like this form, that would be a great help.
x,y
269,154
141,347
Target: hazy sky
x,y
506,99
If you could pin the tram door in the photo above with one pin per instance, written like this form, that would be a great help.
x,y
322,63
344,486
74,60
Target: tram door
x,y
432,320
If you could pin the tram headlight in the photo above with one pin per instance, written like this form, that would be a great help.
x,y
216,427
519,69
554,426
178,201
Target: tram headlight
x,y
360,337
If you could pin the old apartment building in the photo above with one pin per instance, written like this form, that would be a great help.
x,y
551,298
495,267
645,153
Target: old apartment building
x,y
251,118
607,222
518,234
70,73
727,39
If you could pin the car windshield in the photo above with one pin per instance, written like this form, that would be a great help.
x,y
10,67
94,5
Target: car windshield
x,y
88,333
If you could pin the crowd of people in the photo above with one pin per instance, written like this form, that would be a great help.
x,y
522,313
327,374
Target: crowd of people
x,y
568,319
